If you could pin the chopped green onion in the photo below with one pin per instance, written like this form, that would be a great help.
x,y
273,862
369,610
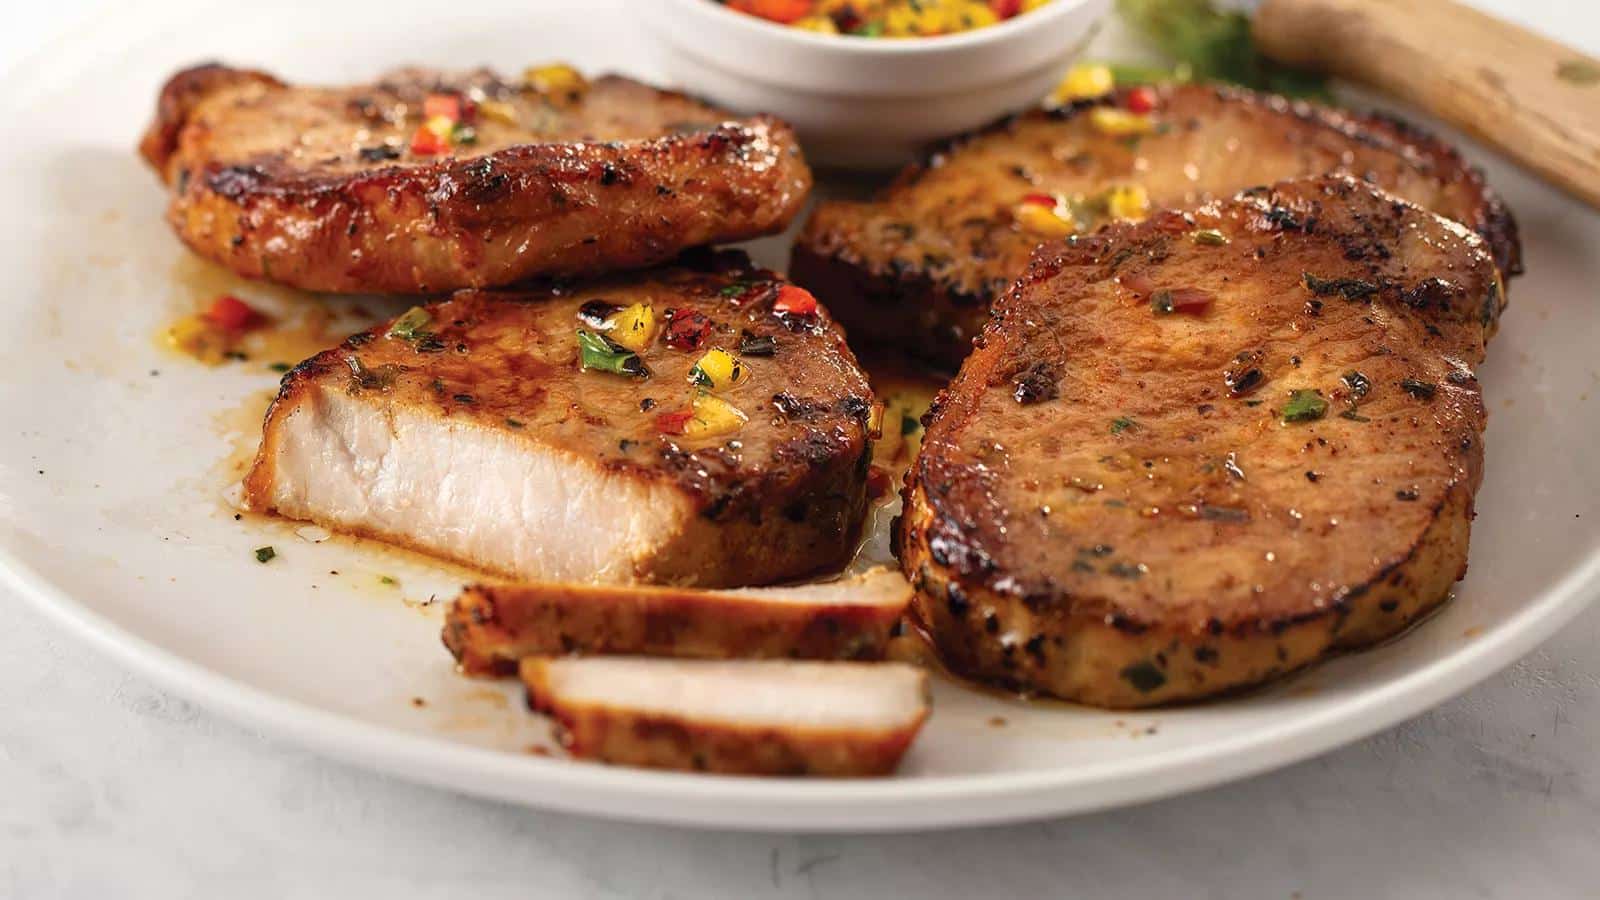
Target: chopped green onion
x,y
596,351
265,554
412,324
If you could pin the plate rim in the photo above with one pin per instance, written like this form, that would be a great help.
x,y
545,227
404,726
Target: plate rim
x,y
834,805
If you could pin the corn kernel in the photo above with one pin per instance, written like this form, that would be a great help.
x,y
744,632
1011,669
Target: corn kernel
x,y
1109,120
718,370
1031,5
557,78
713,416
634,326
967,16
921,20
1083,82
1043,220
1127,201
498,111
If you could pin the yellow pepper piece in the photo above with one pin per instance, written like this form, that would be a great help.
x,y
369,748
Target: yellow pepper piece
x,y
198,337
441,126
1109,120
1083,82
915,20
713,416
967,16
498,111
1127,201
821,24
1031,5
557,78
1043,220
718,370
634,327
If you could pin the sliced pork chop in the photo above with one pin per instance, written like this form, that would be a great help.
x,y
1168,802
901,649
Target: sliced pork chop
x,y
918,267
774,717
425,181
730,449
1195,453
489,628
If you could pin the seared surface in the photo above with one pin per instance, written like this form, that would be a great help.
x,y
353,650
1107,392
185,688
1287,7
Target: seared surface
x,y
490,628
1125,507
919,267
319,188
480,438
739,718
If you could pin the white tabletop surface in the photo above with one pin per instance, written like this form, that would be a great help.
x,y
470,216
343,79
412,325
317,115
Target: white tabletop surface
x,y
112,788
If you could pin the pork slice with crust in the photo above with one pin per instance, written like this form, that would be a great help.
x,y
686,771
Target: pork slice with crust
x,y
519,433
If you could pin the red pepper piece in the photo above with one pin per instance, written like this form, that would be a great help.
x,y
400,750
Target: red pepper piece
x,y
794,301
1191,300
232,314
1005,9
426,143
1040,199
674,422
447,105
1142,100
785,11
686,329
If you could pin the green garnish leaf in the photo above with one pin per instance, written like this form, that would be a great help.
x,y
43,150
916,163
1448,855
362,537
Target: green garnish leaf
x,y
279,367
699,378
1133,75
412,324
1211,237
596,351
464,135
265,554
1216,45
1122,423
1305,406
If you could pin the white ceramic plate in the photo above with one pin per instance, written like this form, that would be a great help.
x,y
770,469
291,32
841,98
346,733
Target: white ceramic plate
x,y
112,478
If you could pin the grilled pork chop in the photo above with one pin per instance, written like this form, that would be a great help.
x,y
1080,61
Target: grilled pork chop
x,y
1191,454
425,182
489,628
748,718
691,425
919,266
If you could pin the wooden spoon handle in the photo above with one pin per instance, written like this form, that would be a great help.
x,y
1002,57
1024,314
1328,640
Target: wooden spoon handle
x,y
1534,99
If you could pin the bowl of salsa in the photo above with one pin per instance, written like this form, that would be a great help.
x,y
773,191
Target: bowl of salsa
x,y
870,84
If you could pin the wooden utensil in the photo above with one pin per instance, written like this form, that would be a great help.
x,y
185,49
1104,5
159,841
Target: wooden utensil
x,y
1534,99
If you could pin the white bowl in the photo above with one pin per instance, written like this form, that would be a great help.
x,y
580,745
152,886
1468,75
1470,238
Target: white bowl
x,y
868,102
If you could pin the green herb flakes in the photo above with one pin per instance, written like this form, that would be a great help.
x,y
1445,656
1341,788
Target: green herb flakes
x,y
1210,237
1580,72
412,324
266,554
1123,423
1349,288
1422,390
1305,406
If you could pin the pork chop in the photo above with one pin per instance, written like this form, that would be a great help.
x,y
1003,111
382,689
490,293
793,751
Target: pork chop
x,y
696,424
775,717
489,628
918,267
425,181
1194,453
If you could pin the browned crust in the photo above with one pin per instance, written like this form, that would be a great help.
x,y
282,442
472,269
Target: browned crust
x,y
538,209
1083,649
178,99
935,320
629,738
489,628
